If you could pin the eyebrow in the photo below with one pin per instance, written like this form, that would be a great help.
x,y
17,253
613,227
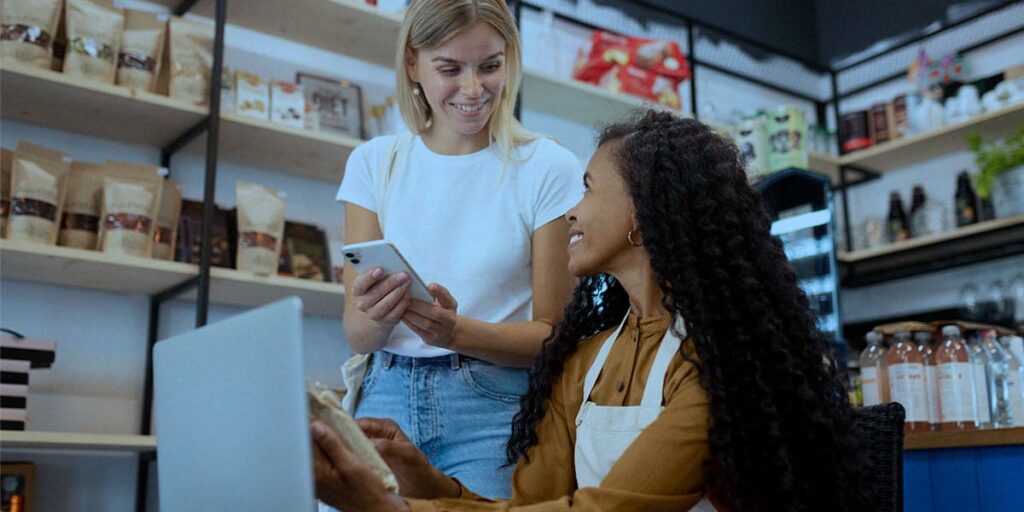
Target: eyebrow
x,y
446,60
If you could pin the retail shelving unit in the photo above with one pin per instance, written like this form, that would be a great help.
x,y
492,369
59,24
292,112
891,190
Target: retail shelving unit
x,y
70,441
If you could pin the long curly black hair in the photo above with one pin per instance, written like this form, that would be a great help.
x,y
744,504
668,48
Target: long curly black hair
x,y
781,428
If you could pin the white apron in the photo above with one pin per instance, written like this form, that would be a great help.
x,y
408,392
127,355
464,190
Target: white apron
x,y
604,432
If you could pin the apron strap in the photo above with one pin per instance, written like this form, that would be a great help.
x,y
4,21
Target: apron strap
x,y
670,343
595,369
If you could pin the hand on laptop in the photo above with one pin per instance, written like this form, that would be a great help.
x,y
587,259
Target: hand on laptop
x,y
345,482
416,477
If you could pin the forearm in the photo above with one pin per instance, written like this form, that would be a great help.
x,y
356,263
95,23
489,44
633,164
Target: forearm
x,y
505,344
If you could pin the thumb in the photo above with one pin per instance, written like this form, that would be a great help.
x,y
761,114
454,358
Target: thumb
x,y
330,444
444,297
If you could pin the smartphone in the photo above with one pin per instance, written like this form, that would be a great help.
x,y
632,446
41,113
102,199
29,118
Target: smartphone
x,y
383,254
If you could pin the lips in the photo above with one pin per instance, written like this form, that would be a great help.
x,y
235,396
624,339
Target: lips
x,y
470,109
575,236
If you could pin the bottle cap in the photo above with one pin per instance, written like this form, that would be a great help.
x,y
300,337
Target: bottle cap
x,y
874,337
923,336
903,335
988,333
951,331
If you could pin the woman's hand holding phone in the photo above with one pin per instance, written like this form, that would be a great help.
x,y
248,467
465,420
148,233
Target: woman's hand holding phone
x,y
383,298
433,322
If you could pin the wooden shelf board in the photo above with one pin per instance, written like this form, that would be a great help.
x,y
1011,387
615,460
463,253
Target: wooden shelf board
x,y
348,27
581,102
964,439
902,152
12,439
124,274
55,100
914,243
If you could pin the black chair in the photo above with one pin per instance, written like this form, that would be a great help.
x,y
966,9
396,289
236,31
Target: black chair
x,y
882,428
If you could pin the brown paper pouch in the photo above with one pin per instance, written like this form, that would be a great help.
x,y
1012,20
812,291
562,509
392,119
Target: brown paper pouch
x,y
191,60
142,49
167,221
6,161
37,193
260,228
94,36
127,221
80,222
28,30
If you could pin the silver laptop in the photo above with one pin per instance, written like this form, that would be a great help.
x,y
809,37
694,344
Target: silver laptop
x,y
231,415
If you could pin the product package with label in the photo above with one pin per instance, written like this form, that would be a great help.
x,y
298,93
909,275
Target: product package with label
x,y
304,253
287,104
787,137
260,228
638,66
80,222
252,96
189,59
29,30
37,193
131,200
190,232
6,161
165,234
142,50
752,141
94,37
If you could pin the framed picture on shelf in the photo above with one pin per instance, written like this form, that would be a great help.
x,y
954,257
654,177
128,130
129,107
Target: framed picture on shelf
x,y
332,105
17,486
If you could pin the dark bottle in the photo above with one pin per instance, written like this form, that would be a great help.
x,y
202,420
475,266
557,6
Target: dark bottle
x,y
966,201
918,200
897,226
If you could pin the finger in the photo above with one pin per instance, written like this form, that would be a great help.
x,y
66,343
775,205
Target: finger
x,y
444,297
381,309
423,322
423,308
365,280
330,444
377,292
425,335
384,428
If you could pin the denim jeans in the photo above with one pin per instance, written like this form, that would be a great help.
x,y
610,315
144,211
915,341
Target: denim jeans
x,y
456,409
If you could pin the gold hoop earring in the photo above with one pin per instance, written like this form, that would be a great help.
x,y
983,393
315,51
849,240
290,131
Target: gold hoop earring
x,y
629,236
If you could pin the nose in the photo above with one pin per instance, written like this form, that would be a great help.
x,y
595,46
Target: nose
x,y
570,215
471,86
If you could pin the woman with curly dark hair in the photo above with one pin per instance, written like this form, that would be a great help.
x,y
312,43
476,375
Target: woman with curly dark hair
x,y
687,374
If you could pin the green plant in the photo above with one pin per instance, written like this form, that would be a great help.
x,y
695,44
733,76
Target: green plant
x,y
995,158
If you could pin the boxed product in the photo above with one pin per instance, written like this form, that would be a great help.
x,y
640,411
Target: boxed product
x,y
6,161
29,31
880,121
287,104
855,131
752,141
131,201
164,235
189,58
80,223
142,49
642,67
304,253
37,193
787,136
900,118
94,30
260,228
252,96
190,232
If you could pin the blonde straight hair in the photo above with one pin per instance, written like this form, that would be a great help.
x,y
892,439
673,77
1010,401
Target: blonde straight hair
x,y
431,23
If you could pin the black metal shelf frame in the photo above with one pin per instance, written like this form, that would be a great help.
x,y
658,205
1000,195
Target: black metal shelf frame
x,y
210,125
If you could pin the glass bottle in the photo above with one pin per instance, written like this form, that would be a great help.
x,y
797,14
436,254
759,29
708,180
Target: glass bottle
x,y
925,343
905,364
956,388
873,382
897,227
979,371
1016,379
1002,379
966,201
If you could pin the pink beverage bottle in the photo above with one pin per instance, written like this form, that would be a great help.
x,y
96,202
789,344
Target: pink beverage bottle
x,y
873,379
906,367
955,380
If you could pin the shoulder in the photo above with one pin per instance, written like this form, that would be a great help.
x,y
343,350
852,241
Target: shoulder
x,y
372,148
546,153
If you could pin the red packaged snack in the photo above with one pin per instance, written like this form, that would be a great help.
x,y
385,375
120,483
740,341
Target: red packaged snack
x,y
642,67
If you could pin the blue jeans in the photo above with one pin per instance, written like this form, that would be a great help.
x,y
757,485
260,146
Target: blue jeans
x,y
456,409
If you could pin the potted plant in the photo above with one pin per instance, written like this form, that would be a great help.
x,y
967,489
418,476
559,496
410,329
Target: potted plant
x,y
1000,172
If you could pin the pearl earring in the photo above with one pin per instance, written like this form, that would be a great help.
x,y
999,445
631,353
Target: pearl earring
x,y
416,89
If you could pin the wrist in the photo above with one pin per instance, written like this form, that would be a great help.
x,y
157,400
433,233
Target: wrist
x,y
454,341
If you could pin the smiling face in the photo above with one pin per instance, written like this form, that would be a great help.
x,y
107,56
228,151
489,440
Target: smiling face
x,y
601,221
462,79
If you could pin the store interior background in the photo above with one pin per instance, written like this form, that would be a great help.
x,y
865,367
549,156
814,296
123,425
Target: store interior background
x,y
100,336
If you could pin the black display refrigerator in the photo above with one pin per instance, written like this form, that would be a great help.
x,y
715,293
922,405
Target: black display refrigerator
x,y
800,205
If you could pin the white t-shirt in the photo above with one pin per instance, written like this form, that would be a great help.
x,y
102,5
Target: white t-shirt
x,y
466,222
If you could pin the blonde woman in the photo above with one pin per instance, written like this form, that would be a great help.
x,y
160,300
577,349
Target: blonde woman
x,y
475,203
